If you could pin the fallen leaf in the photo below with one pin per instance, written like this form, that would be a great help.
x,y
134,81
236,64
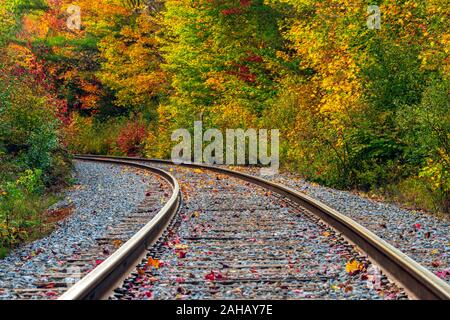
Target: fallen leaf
x,y
98,262
140,271
353,267
436,263
214,275
443,273
155,263
117,243
348,289
210,276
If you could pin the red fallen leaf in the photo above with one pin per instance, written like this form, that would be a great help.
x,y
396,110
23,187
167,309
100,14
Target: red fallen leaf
x,y
50,286
353,267
148,194
364,277
253,270
210,276
436,263
148,294
98,262
181,254
417,226
443,273
50,293
209,252
214,275
180,280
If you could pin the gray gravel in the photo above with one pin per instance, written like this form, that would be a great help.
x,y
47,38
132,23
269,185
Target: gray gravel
x,y
423,236
233,240
102,196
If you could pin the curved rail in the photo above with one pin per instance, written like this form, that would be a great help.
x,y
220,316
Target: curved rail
x,y
416,279
100,281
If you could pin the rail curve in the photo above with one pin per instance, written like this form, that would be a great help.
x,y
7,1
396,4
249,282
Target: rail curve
x,y
418,281
101,280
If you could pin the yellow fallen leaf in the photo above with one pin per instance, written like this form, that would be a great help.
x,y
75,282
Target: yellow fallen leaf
x,y
326,234
181,246
198,171
435,251
117,243
353,267
153,263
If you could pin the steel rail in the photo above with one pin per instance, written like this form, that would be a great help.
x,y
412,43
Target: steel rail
x,y
420,282
98,283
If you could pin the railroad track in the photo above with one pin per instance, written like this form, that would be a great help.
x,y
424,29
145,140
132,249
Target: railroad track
x,y
242,237
56,278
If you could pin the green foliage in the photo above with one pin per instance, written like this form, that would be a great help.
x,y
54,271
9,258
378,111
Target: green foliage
x,y
29,151
20,204
28,131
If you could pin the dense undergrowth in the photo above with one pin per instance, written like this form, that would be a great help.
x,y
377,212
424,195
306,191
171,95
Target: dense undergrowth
x,y
33,163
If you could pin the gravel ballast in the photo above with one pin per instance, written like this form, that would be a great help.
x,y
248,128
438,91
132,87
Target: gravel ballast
x,y
103,195
423,236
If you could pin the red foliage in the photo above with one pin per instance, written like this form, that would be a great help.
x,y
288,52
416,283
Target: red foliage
x,y
131,138
244,74
231,11
254,58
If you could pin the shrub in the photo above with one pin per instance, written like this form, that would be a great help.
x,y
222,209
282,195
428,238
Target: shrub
x,y
18,206
131,138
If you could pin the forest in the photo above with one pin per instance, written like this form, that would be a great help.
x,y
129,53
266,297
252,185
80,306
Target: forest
x,y
358,108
